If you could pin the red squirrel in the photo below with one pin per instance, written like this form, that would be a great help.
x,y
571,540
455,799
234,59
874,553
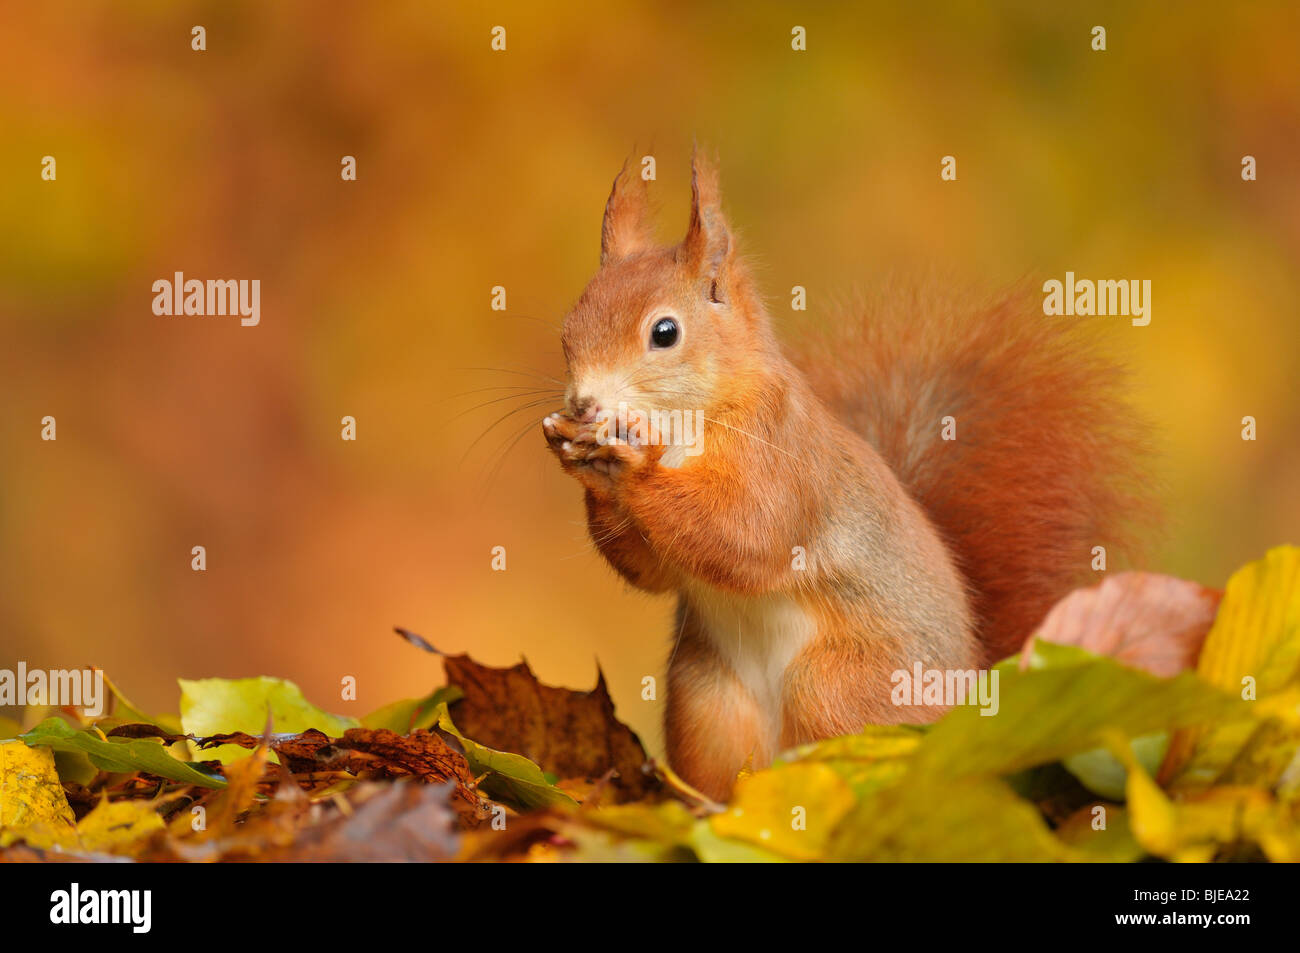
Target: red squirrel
x,y
824,534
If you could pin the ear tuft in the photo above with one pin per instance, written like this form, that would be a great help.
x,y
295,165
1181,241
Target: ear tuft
x,y
627,228
707,246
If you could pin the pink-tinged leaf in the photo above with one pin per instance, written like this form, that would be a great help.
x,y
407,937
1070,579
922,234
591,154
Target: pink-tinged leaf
x,y
1146,620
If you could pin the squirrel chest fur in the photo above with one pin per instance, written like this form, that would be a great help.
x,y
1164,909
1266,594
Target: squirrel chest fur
x,y
819,533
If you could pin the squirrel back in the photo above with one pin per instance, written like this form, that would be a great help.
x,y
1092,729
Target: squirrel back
x,y
1041,464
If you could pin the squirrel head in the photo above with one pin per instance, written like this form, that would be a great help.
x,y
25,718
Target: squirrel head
x,y
664,328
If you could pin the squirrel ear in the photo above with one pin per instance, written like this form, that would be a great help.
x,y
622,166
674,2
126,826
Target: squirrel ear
x,y
707,246
627,228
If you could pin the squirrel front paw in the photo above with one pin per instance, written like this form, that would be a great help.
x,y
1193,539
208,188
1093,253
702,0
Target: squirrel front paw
x,y
588,451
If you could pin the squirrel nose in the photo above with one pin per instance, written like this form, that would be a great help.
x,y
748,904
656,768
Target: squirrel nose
x,y
585,409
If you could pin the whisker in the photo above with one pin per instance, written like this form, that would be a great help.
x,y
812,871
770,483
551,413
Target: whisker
x,y
746,433
504,417
541,398
608,535
549,323
677,641
517,387
523,373
501,454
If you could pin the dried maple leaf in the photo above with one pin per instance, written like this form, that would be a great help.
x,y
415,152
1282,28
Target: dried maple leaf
x,y
572,735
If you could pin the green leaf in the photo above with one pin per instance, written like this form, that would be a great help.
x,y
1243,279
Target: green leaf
x,y
1101,772
213,706
118,754
510,777
1069,701
952,803
404,717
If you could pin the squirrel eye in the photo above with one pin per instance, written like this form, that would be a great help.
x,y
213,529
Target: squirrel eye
x,y
664,333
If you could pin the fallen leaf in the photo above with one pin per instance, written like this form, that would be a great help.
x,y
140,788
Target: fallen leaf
x,y
213,705
1067,702
1198,827
119,754
405,716
1112,843
509,777
974,820
1102,773
1152,622
423,755
791,810
118,826
567,733
875,758
372,754
1255,643
32,804
243,778
387,822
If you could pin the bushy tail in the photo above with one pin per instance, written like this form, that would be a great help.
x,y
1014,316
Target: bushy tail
x,y
1045,464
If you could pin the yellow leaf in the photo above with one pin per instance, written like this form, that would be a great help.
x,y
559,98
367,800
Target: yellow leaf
x,y
666,822
972,819
33,806
790,810
1253,645
115,826
211,706
874,758
1199,827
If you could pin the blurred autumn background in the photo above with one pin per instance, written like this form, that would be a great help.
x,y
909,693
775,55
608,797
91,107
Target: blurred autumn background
x,y
478,168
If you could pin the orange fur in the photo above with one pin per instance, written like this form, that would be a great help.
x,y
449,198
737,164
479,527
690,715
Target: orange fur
x,y
1044,466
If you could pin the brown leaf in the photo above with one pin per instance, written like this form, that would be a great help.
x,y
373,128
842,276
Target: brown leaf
x,y
573,735
422,755
1148,621
244,781
385,822
377,754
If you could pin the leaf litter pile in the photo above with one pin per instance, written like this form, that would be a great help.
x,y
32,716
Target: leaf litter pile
x,y
1148,718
